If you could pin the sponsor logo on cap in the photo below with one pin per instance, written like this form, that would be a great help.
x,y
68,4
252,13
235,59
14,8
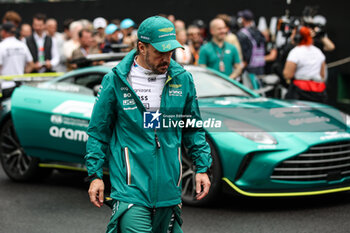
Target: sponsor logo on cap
x,y
145,37
166,46
166,29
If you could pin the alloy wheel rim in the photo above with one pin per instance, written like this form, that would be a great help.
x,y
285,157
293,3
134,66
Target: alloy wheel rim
x,y
14,158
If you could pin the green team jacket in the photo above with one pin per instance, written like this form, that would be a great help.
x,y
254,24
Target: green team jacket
x,y
144,164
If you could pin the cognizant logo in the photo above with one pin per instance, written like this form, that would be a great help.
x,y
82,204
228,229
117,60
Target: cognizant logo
x,y
69,134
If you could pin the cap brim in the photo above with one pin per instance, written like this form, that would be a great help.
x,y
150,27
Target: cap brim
x,y
166,46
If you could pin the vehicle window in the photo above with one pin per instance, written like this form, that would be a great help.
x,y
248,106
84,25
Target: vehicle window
x,y
209,84
86,80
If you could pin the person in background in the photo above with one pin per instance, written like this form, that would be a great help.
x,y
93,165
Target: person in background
x,y
182,56
99,25
26,31
271,52
112,37
72,44
252,44
15,57
231,37
15,19
179,24
305,67
85,39
218,54
127,27
195,42
42,47
319,35
51,29
170,17
202,29
66,32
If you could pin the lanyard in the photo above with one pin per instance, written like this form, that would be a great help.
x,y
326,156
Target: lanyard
x,y
220,55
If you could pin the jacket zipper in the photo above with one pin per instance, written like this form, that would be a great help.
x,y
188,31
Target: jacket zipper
x,y
158,144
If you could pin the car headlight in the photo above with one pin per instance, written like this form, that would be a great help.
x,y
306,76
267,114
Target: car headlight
x,y
347,120
259,137
250,132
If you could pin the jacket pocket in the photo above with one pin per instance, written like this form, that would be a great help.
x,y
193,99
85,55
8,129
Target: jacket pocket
x,y
180,167
127,165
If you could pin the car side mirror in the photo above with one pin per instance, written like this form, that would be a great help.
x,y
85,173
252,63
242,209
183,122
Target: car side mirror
x,y
96,89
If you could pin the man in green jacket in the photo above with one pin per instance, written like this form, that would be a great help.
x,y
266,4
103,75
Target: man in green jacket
x,y
143,153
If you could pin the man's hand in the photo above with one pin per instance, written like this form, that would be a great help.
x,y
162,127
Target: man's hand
x,y
48,64
202,179
37,65
96,192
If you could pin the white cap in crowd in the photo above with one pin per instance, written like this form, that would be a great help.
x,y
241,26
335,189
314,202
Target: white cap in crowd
x,y
99,23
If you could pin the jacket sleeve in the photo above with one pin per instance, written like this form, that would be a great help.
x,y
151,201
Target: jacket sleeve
x,y
101,127
194,138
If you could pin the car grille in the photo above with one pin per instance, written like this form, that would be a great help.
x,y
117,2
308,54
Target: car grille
x,y
328,162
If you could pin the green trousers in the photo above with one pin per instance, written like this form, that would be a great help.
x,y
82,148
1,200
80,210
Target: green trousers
x,y
129,218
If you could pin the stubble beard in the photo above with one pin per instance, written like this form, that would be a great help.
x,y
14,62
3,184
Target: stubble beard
x,y
155,69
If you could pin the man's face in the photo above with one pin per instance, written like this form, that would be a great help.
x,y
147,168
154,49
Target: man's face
x,y
86,39
26,30
194,35
115,36
51,27
219,30
157,61
38,26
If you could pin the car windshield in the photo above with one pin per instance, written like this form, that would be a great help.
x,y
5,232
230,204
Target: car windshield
x,y
209,84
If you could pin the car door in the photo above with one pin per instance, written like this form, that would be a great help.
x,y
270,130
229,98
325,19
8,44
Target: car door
x,y
51,119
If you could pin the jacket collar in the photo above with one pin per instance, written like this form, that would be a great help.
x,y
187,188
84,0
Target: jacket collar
x,y
124,67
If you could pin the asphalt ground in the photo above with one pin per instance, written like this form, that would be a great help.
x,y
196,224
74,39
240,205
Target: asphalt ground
x,y
60,204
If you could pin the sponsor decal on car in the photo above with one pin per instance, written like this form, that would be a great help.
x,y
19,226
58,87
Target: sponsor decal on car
x,y
69,134
74,106
58,119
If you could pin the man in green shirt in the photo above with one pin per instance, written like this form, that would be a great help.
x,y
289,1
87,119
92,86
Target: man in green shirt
x,y
218,54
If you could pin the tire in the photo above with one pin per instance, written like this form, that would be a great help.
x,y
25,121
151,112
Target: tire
x,y
188,179
17,165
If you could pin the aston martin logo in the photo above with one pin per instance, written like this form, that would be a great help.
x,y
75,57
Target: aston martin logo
x,y
166,29
73,106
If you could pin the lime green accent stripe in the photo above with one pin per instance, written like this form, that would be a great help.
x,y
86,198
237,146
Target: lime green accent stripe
x,y
108,199
33,75
292,194
65,167
168,80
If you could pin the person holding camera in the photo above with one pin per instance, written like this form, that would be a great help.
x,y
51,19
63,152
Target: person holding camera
x,y
305,67
319,35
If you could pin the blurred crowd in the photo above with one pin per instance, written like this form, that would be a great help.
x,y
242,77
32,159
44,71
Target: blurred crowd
x,y
233,45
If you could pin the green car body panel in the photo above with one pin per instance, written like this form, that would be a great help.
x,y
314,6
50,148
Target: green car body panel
x,y
246,165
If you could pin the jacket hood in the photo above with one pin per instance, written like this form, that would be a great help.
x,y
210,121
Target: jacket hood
x,y
123,68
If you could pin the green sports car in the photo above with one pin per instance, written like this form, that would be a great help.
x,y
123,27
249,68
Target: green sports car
x,y
260,147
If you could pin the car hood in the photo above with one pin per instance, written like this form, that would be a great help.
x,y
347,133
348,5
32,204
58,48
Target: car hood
x,y
271,115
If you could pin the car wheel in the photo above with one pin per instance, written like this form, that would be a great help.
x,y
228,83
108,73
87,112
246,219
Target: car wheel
x,y
16,164
189,177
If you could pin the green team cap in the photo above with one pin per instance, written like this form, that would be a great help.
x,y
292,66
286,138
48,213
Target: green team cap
x,y
159,32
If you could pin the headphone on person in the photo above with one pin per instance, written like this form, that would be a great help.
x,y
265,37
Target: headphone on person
x,y
297,37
